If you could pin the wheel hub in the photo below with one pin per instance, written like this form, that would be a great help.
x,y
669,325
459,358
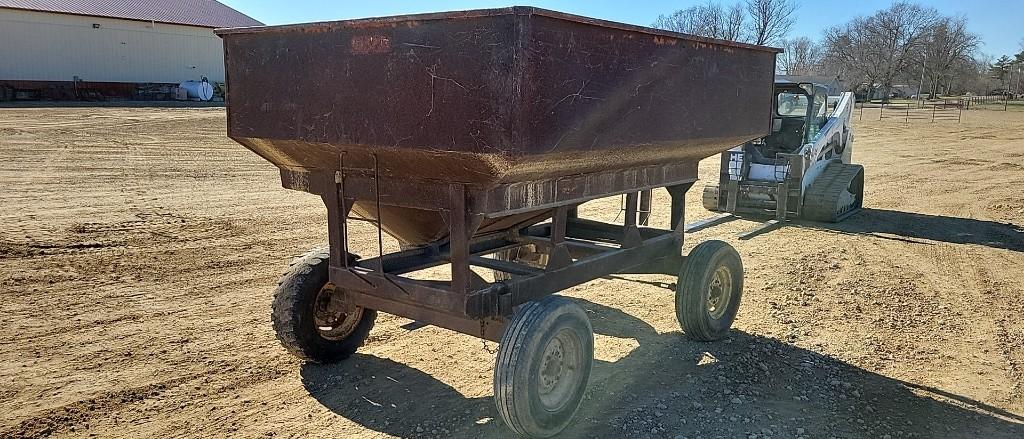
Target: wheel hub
x,y
554,363
559,370
334,317
719,292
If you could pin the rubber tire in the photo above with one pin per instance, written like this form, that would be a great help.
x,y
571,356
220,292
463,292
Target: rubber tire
x,y
292,312
516,373
692,290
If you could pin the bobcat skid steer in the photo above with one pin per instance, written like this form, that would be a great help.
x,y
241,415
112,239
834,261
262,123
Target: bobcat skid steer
x,y
801,170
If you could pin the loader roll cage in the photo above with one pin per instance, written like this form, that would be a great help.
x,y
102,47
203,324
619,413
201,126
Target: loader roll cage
x,y
799,113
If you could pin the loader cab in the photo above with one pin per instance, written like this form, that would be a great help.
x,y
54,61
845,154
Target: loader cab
x,y
799,111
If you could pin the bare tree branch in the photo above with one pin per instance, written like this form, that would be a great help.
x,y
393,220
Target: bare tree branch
x,y
880,47
770,20
710,20
802,56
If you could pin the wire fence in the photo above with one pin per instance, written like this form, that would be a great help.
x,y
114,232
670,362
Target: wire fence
x,y
944,110
989,102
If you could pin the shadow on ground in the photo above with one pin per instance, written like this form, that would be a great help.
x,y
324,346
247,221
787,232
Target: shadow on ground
x,y
669,387
912,227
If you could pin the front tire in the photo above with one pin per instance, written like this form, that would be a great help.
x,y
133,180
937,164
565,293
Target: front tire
x,y
543,366
709,291
311,318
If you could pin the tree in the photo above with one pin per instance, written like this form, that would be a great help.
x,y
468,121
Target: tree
x,y
880,47
947,43
802,56
710,20
770,20
755,21
970,75
1000,70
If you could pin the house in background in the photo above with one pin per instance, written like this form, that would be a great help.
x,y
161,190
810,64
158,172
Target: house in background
x,y
57,48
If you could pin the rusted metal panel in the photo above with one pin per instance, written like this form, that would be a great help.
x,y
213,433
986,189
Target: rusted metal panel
x,y
492,96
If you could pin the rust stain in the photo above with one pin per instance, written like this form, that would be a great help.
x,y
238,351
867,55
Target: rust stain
x,y
662,41
365,44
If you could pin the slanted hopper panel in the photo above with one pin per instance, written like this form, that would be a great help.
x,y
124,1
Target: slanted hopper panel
x,y
488,97
639,98
426,96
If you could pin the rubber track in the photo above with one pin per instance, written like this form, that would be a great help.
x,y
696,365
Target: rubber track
x,y
710,197
822,198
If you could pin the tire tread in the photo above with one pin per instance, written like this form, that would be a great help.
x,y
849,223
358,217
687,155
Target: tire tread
x,y
305,276
692,314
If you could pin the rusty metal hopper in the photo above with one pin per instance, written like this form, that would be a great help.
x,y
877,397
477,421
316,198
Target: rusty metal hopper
x,y
490,98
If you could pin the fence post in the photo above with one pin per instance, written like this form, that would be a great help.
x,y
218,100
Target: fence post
x,y
881,110
933,113
907,120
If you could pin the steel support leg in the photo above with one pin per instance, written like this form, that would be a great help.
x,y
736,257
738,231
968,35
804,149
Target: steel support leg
x,y
631,236
645,207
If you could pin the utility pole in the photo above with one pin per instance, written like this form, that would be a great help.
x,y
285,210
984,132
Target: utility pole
x,y
920,85
1006,91
1017,88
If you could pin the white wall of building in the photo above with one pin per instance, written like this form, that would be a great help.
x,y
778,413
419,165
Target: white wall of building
x,y
41,46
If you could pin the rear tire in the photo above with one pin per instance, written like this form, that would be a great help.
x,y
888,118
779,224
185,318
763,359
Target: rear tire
x,y
709,291
543,366
311,319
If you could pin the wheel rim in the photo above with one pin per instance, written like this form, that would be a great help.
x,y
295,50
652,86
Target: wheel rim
x,y
333,317
560,370
719,292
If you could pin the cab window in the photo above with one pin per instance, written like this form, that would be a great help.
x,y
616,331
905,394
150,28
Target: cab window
x,y
791,104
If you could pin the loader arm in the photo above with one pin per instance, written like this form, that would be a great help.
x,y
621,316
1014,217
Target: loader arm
x,y
833,141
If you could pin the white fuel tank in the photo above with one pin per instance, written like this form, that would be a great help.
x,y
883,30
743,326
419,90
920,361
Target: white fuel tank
x,y
201,90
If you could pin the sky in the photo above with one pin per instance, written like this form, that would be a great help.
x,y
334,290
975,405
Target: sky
x,y
999,22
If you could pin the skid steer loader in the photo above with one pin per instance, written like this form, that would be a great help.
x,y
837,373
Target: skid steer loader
x,y
802,169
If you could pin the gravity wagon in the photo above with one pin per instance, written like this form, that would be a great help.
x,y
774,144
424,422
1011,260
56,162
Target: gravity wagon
x,y
471,138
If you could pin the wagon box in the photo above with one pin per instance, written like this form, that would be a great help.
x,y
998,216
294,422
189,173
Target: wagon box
x,y
472,137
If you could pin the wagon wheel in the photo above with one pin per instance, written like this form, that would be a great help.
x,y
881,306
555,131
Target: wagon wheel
x,y
709,290
543,366
312,318
524,254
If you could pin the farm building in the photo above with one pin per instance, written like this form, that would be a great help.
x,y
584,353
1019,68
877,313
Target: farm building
x,y
58,48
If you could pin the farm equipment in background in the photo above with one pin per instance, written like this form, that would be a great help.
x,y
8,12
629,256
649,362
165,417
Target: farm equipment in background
x,y
802,169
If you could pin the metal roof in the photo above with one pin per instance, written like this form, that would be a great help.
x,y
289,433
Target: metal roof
x,y
203,13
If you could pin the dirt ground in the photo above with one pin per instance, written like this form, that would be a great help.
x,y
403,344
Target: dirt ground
x,y
139,248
